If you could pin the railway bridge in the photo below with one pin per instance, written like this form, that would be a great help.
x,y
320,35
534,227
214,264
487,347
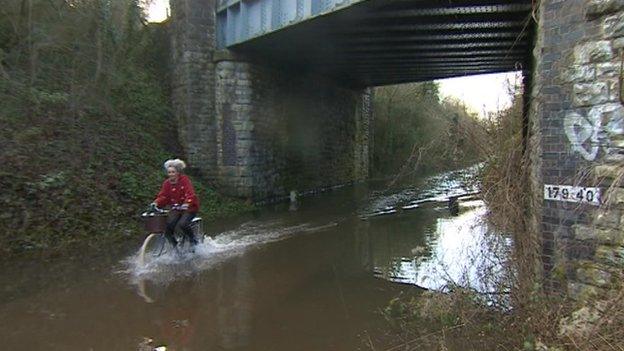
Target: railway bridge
x,y
275,95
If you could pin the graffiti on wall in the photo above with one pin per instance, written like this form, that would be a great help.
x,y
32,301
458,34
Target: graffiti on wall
x,y
602,128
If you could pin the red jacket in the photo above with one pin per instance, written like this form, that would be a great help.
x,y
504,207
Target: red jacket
x,y
179,193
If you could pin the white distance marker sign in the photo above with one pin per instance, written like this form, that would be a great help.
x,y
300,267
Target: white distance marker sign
x,y
570,193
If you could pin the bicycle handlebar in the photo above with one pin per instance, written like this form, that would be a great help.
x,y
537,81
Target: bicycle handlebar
x,y
152,208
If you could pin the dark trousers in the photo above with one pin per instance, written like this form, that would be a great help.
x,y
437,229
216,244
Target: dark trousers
x,y
179,221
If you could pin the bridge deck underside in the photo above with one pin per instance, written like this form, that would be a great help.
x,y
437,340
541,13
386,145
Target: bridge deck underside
x,y
381,42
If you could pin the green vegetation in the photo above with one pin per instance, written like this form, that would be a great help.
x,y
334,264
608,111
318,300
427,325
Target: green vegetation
x,y
417,132
86,123
534,318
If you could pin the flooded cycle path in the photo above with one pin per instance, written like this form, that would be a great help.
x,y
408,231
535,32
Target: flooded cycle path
x,y
311,278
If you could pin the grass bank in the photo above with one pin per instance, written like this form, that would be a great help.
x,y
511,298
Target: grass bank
x,y
84,105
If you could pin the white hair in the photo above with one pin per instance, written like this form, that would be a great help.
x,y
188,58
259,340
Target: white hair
x,y
178,164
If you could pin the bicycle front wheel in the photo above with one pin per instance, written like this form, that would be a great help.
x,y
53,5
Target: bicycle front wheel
x,y
152,247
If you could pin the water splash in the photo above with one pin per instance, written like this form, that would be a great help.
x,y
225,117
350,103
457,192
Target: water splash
x,y
210,253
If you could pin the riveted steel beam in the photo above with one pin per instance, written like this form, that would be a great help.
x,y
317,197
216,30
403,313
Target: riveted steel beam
x,y
433,27
406,61
410,37
431,54
431,71
450,11
436,46
435,74
442,54
426,69
420,65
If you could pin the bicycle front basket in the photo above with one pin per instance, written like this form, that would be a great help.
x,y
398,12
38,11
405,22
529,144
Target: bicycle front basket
x,y
154,222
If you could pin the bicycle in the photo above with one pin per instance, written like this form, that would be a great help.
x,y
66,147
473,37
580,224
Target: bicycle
x,y
156,244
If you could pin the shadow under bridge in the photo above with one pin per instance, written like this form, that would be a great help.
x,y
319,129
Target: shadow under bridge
x,y
382,42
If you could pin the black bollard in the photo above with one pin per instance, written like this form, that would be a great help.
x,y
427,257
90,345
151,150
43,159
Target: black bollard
x,y
453,206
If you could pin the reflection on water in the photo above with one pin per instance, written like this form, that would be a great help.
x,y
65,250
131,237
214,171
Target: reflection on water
x,y
457,251
436,189
429,246
304,279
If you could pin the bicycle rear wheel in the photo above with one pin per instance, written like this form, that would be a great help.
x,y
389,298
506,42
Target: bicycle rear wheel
x,y
152,247
185,244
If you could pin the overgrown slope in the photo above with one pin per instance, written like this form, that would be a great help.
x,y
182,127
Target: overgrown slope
x,y
86,123
418,132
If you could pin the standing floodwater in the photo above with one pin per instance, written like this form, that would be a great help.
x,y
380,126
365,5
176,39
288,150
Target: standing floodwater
x,y
311,279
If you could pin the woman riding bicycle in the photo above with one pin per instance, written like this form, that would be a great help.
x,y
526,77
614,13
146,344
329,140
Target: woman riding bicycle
x,y
178,194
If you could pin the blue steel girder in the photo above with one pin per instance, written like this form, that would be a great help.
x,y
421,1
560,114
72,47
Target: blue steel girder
x,y
242,20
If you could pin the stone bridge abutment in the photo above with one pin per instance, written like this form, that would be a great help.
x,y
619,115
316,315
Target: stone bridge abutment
x,y
282,129
577,140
